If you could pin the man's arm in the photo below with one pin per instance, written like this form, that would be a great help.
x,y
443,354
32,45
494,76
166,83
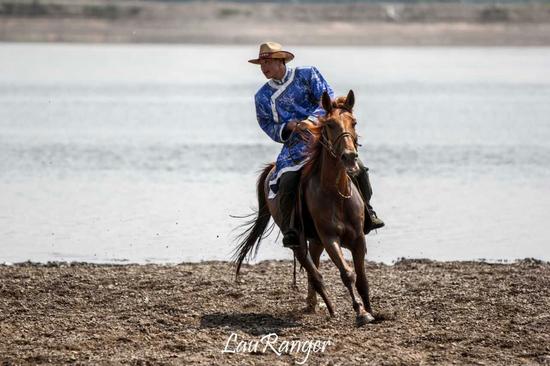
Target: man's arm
x,y
276,131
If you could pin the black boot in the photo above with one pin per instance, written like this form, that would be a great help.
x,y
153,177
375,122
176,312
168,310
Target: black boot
x,y
375,222
288,193
363,183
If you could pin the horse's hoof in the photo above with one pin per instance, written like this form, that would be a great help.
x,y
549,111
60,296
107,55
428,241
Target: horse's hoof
x,y
311,309
364,319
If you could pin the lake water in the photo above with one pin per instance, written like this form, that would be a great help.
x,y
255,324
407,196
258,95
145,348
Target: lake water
x,y
141,153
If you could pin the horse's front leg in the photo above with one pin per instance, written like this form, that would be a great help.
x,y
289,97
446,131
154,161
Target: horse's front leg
x,y
359,250
314,276
315,250
334,250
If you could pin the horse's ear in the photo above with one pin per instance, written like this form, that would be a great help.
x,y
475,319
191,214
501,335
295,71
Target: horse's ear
x,y
350,100
327,103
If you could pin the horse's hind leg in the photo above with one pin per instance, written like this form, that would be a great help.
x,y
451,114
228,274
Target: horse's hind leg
x,y
314,276
348,278
315,250
358,252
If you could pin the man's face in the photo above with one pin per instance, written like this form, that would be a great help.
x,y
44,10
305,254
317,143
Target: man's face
x,y
273,68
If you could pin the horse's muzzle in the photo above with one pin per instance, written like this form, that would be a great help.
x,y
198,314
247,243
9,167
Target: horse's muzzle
x,y
349,159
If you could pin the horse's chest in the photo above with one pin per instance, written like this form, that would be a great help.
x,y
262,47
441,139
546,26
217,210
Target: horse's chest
x,y
334,219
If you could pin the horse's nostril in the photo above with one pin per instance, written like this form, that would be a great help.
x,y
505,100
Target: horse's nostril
x,y
350,156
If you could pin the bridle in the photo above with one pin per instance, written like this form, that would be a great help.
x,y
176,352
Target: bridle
x,y
330,147
327,144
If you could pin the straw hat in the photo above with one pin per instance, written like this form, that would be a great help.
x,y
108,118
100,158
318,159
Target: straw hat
x,y
272,50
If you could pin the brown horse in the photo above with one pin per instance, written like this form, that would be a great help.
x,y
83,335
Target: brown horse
x,y
331,208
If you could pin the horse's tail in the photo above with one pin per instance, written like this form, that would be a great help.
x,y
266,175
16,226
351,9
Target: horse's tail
x,y
255,227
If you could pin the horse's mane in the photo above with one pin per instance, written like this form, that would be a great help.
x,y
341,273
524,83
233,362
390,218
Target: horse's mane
x,y
315,146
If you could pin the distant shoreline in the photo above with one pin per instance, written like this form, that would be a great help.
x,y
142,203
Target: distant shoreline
x,y
368,24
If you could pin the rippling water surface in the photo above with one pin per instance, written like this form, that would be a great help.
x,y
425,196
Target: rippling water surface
x,y
142,153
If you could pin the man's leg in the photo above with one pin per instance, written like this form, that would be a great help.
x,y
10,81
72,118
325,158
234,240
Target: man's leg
x,y
363,183
288,194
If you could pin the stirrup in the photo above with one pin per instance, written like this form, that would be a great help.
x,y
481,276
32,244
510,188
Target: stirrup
x,y
291,239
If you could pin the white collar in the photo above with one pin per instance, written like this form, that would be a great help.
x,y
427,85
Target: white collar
x,y
285,78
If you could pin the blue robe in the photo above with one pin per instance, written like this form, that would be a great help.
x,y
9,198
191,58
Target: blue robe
x,y
294,98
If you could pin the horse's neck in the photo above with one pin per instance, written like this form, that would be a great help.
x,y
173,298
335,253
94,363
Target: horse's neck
x,y
333,175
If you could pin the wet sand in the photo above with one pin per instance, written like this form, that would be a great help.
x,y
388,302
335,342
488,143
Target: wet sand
x,y
427,313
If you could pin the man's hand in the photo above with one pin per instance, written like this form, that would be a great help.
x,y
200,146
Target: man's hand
x,y
299,125
304,125
291,126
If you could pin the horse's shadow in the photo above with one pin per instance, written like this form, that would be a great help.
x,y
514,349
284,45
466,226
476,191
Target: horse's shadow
x,y
251,323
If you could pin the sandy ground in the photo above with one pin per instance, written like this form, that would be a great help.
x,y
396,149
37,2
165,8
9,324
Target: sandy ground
x,y
210,22
249,32
427,313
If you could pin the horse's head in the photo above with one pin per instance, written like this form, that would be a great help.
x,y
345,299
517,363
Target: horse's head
x,y
338,130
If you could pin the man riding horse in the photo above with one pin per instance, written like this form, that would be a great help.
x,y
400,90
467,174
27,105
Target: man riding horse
x,y
288,102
